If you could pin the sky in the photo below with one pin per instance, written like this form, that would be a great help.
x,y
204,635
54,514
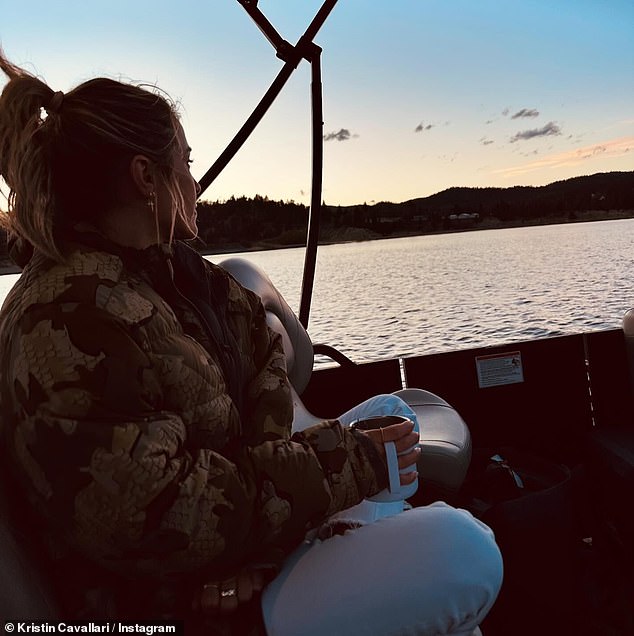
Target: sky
x,y
419,95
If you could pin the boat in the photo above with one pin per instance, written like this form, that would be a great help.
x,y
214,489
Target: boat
x,y
549,458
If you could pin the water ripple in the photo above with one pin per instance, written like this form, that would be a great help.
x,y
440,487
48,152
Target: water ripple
x,y
462,290
467,290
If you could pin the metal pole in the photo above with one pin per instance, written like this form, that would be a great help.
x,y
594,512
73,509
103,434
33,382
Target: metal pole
x,y
312,238
292,56
268,30
247,128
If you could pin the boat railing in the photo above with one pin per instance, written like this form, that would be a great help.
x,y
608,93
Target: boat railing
x,y
542,394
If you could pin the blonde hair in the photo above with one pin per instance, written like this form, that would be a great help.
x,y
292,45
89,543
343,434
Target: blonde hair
x,y
62,165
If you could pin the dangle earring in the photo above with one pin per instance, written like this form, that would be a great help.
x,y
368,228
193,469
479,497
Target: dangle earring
x,y
151,202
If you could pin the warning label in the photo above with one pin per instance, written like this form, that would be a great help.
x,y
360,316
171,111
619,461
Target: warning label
x,y
499,369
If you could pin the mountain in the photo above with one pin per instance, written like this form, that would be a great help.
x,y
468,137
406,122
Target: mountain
x,y
610,190
598,196
578,193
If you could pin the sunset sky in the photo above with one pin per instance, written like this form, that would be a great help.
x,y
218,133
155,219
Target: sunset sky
x,y
419,95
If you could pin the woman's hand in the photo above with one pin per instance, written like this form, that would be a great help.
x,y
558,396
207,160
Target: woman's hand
x,y
227,595
404,436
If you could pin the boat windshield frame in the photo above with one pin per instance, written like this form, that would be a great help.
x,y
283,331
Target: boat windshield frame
x,y
292,55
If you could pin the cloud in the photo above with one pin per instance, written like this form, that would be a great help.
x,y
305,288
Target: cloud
x,y
343,134
525,112
506,111
422,127
485,142
551,128
606,149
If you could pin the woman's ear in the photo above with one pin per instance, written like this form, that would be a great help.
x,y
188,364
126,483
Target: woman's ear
x,y
143,175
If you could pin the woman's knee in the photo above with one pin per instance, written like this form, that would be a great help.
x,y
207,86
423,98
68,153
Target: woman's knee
x,y
464,548
438,566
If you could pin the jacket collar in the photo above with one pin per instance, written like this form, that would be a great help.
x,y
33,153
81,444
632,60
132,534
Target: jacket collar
x,y
88,236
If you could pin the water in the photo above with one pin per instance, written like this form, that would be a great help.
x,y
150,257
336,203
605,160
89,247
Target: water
x,y
428,294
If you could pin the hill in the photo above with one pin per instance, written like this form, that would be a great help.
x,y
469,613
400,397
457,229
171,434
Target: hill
x,y
580,198
577,193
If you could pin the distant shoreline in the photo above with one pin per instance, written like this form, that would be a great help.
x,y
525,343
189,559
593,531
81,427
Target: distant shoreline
x,y
355,235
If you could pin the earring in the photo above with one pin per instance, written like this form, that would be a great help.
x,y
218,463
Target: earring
x,y
151,202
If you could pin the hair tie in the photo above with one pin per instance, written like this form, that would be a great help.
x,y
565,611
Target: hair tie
x,y
55,103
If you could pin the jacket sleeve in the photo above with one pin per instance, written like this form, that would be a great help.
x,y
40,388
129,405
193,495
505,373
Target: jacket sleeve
x,y
118,475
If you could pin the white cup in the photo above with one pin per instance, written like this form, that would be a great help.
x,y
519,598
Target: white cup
x,y
394,492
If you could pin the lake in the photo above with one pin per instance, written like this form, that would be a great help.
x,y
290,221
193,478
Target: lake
x,y
427,294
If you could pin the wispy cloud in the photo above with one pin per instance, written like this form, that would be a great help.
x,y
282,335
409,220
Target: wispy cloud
x,y
525,112
551,128
485,142
422,127
612,148
343,134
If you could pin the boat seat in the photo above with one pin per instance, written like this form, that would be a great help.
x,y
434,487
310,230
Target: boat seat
x,y
445,443
444,437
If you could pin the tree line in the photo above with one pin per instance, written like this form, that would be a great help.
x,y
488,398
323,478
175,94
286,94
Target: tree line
x,y
259,221
243,222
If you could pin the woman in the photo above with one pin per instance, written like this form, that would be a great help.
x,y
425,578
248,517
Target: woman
x,y
146,408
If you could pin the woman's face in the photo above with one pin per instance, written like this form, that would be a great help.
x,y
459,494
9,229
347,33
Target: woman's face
x,y
185,226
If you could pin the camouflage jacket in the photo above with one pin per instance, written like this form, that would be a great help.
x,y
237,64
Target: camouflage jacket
x,y
147,413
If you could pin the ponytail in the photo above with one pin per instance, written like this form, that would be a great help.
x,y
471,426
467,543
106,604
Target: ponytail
x,y
63,156
25,161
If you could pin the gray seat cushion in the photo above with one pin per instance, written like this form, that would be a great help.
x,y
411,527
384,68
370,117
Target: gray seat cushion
x,y
444,439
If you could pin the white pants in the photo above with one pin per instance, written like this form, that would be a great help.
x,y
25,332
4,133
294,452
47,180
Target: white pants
x,y
427,571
